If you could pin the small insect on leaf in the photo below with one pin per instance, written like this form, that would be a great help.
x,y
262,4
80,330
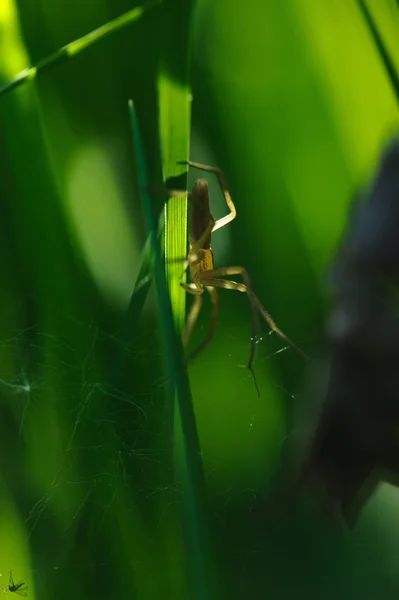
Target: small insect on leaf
x,y
18,588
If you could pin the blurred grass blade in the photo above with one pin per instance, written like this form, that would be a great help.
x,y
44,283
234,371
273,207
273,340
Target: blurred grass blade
x,y
385,56
193,494
128,326
77,46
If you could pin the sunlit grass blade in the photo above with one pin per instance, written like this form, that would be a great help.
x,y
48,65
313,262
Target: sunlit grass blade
x,y
174,93
174,104
379,42
192,477
77,46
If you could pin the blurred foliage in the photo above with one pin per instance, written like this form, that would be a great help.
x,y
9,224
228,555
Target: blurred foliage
x,y
292,100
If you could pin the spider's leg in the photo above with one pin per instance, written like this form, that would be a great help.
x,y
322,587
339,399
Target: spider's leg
x,y
226,271
223,184
240,287
269,320
192,288
212,278
192,259
213,322
192,318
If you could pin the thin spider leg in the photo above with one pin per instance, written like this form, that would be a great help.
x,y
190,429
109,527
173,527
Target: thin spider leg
x,y
212,326
239,287
192,319
225,284
255,333
223,184
192,259
268,318
206,278
192,288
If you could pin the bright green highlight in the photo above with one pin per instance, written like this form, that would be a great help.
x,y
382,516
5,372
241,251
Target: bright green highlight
x,y
174,101
12,52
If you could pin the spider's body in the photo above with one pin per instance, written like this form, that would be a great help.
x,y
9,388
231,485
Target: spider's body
x,y
205,263
201,216
201,224
203,273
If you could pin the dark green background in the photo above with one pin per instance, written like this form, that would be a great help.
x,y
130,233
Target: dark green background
x,y
292,101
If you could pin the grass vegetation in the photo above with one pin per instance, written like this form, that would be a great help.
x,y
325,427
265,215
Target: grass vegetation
x,y
122,473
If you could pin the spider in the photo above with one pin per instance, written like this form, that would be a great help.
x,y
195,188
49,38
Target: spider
x,y
203,273
19,588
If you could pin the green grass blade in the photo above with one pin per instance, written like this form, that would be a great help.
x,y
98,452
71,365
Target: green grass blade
x,y
384,54
192,477
174,93
77,46
175,132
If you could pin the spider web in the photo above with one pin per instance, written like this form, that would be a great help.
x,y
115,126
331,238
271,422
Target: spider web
x,y
76,441
90,457
109,489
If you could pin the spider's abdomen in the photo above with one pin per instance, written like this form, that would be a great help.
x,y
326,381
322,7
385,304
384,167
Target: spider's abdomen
x,y
205,263
201,216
